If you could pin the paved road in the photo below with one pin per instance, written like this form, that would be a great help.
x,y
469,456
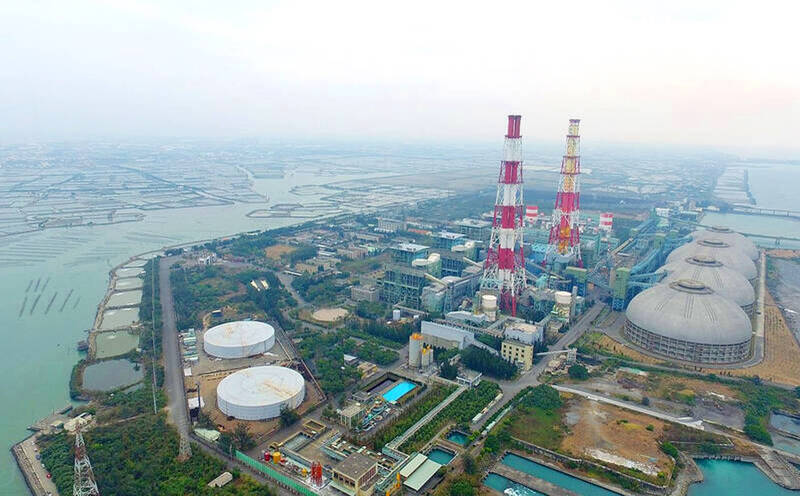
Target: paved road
x,y
173,364
531,378
26,453
286,280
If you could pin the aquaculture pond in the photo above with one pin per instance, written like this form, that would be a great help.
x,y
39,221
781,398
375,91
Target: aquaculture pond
x,y
114,343
111,374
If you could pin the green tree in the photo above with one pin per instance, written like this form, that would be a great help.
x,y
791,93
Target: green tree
x,y
461,487
448,371
470,465
670,449
578,371
544,397
241,436
289,417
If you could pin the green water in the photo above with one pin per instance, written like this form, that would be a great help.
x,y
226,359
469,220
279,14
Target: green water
x,y
111,374
506,486
554,476
734,479
458,438
440,456
40,349
113,343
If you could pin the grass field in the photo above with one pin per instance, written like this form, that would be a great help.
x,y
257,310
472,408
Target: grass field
x,y
275,252
538,426
781,362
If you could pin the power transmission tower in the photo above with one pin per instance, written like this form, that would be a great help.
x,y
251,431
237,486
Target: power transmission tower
x,y
84,483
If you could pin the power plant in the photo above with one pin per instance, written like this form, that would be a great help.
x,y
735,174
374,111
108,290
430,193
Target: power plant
x,y
504,268
565,235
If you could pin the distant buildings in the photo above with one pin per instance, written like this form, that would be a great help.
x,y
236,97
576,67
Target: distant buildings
x,y
364,293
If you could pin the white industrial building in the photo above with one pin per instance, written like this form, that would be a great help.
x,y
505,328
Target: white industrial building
x,y
239,339
446,336
524,332
259,393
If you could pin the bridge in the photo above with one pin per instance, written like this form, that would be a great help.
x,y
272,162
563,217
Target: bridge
x,y
773,212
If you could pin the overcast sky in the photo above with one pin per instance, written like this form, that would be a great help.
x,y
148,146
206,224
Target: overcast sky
x,y
722,73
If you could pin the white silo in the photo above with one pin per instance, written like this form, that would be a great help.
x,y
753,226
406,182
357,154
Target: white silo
x,y
415,344
489,305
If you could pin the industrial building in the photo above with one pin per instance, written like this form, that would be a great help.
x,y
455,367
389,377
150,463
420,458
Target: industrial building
x,y
729,236
686,320
239,339
416,473
722,251
724,281
364,293
524,332
477,229
446,336
518,353
433,281
356,475
260,393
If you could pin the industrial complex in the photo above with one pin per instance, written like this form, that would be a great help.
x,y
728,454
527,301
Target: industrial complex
x,y
393,352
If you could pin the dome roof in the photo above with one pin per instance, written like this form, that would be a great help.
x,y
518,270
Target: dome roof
x,y
724,281
731,257
689,311
729,236
239,339
260,392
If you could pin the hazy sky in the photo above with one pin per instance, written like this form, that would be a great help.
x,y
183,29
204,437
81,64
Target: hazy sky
x,y
721,73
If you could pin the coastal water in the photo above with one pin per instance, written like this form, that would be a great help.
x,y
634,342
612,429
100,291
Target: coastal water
x,y
772,186
39,345
734,479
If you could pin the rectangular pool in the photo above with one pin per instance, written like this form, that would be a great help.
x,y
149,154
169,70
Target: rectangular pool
x,y
398,391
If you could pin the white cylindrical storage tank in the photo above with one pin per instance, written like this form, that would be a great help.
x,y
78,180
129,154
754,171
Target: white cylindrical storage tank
x,y
396,313
414,349
239,339
427,357
489,305
260,393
